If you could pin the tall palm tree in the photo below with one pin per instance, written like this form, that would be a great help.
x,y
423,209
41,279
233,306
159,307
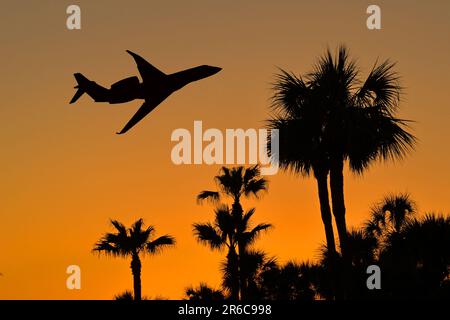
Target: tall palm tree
x,y
236,183
342,119
228,231
360,123
132,242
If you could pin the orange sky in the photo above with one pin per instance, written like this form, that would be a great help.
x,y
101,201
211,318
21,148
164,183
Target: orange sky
x,y
65,173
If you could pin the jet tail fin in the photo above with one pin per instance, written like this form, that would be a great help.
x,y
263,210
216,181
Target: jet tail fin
x,y
81,81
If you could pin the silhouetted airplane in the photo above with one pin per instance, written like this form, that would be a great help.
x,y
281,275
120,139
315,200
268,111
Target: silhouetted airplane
x,y
156,86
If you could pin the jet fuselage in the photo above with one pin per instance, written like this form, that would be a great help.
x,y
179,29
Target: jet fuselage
x,y
129,89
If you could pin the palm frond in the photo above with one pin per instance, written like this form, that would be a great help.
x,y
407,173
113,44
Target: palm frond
x,y
159,244
255,186
119,227
246,219
250,236
224,220
290,94
212,196
381,88
251,173
109,249
207,234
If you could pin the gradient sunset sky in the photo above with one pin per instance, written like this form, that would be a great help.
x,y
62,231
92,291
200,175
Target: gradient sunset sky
x,y
65,173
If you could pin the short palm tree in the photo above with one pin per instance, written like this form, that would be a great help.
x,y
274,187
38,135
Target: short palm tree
x,y
360,123
391,214
236,183
132,242
226,232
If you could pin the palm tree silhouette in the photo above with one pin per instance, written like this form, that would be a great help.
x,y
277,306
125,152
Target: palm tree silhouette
x,y
230,231
391,214
132,242
236,183
343,118
360,124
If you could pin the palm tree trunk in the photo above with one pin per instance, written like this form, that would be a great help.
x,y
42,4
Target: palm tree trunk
x,y
136,271
237,212
325,210
338,203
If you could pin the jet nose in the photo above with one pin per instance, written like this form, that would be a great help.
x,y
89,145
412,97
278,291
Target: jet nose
x,y
214,70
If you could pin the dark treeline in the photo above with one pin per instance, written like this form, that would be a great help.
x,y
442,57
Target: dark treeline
x,y
412,252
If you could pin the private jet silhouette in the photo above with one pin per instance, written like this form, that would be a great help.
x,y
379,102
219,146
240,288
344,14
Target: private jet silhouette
x,y
156,86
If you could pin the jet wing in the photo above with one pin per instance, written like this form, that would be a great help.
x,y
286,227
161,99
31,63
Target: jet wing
x,y
148,72
145,109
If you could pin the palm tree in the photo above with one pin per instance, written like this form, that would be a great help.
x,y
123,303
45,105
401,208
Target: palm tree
x,y
132,242
343,118
228,231
236,183
391,214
